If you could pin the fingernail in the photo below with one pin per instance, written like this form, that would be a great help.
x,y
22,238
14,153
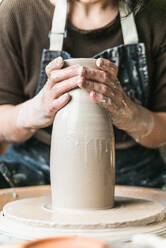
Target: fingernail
x,y
66,95
93,93
59,60
49,66
63,98
80,84
99,62
52,1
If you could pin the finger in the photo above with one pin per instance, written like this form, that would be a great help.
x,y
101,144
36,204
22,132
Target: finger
x,y
98,87
59,103
54,65
66,86
107,66
53,2
103,101
98,75
64,74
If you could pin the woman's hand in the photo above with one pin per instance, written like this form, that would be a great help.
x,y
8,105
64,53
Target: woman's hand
x,y
40,111
106,90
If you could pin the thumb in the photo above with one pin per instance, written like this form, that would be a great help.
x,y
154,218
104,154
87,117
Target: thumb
x,y
53,2
54,65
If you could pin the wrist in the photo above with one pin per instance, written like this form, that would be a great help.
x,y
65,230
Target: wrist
x,y
142,123
25,117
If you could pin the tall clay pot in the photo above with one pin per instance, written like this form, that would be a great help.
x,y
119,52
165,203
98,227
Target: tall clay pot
x,y
82,153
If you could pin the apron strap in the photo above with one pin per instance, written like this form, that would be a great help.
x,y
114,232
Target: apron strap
x,y
58,26
129,30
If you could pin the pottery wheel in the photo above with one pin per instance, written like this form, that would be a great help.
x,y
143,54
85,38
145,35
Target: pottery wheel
x,y
33,218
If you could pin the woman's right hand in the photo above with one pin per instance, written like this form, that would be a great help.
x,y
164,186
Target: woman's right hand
x,y
40,111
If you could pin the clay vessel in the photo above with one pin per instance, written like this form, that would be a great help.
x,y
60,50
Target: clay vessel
x,y
65,242
82,153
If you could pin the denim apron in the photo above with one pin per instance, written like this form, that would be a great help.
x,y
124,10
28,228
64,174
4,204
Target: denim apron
x,y
27,163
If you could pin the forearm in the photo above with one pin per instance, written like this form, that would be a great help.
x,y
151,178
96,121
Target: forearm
x,y
10,129
148,128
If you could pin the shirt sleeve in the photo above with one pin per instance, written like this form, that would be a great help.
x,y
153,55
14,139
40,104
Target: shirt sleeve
x,y
156,36
11,70
159,74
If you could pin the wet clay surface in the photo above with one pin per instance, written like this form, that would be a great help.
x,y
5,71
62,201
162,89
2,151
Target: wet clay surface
x,y
82,152
142,193
31,229
127,212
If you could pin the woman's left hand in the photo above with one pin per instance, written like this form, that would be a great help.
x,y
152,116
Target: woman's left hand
x,y
106,90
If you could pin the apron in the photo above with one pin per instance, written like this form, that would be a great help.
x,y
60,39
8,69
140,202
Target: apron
x,y
27,163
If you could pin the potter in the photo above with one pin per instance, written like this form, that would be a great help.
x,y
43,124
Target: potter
x,y
118,88
93,28
82,153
